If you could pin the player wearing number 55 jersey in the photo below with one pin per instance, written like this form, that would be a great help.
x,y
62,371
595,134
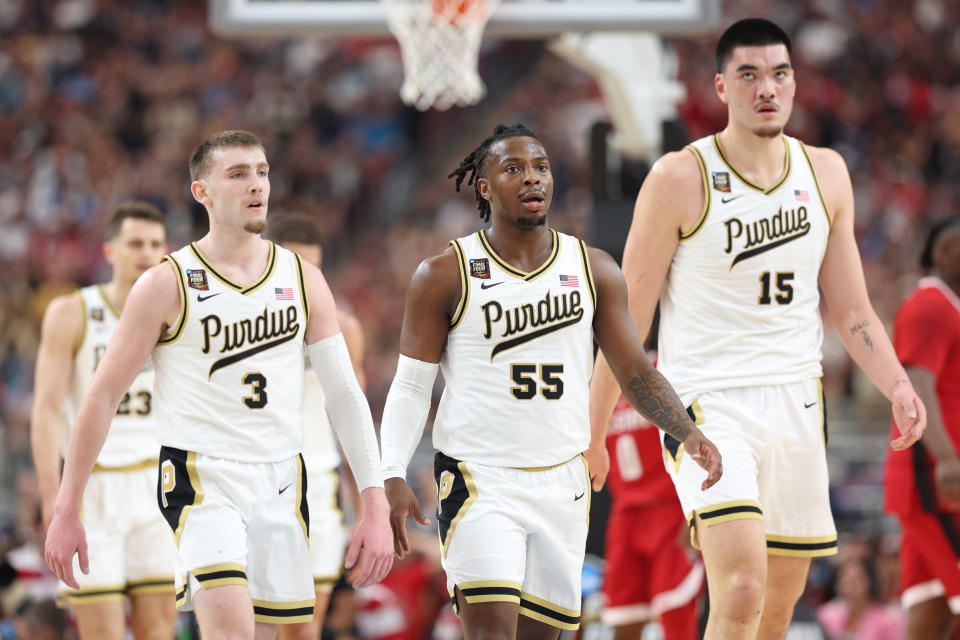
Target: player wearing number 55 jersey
x,y
510,314
130,544
734,234
229,320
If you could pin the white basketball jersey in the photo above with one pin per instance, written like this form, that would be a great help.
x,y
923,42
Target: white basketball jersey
x,y
741,305
229,379
320,453
132,437
518,358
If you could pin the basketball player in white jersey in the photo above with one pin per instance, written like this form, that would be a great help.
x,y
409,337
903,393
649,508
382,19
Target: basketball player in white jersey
x,y
129,541
510,314
328,535
734,234
228,320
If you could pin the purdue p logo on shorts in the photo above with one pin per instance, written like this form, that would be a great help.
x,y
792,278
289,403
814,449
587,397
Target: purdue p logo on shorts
x,y
168,480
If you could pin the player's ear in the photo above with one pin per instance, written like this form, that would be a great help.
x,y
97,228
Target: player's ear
x,y
199,190
483,186
108,251
720,85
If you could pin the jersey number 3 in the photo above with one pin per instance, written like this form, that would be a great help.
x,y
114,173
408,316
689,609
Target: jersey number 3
x,y
258,387
526,387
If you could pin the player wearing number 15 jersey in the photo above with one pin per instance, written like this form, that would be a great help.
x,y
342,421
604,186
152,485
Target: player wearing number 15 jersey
x,y
734,234
229,320
510,314
129,541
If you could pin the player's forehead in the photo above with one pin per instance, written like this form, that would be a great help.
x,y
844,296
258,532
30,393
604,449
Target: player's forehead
x,y
225,158
520,147
762,57
140,229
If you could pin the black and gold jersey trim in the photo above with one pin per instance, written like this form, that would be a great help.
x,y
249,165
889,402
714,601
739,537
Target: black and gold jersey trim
x,y
94,594
106,301
816,182
186,492
83,329
218,575
184,302
271,263
776,185
588,272
160,584
517,273
303,511
490,591
811,547
283,612
706,195
303,288
732,510
464,285
545,611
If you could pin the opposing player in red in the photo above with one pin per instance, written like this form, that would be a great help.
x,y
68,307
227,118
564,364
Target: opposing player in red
x,y
923,482
649,574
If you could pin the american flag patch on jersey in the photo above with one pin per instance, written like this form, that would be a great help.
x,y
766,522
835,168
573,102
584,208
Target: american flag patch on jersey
x,y
286,293
569,281
802,195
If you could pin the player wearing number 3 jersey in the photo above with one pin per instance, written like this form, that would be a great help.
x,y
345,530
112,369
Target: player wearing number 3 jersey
x,y
229,320
509,314
734,234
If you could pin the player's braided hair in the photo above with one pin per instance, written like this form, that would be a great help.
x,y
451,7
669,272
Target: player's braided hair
x,y
476,159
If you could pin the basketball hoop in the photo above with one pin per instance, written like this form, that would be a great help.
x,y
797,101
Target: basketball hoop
x,y
440,45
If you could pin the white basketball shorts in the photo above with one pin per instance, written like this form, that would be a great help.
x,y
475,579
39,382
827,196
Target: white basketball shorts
x,y
328,536
240,523
773,443
129,546
515,535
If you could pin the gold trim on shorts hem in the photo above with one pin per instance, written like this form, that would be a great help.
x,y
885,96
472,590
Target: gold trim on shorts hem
x,y
802,547
548,612
156,584
220,575
490,591
93,595
283,612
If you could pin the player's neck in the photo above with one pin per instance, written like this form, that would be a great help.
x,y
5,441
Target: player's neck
x,y
523,248
759,158
240,254
116,292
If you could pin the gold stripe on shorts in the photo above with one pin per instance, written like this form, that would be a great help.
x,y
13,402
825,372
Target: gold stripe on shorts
x,y
548,612
136,466
219,575
157,584
283,612
804,547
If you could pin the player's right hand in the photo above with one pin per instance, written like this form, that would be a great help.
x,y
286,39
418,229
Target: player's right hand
x,y
947,477
66,537
402,502
705,454
598,462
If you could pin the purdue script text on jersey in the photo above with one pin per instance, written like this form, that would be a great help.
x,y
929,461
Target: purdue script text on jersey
x,y
518,359
230,371
740,306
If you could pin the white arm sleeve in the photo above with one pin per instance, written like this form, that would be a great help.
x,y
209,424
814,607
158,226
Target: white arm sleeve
x,y
405,414
348,409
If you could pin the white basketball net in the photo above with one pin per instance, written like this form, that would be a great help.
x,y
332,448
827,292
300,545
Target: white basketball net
x,y
440,44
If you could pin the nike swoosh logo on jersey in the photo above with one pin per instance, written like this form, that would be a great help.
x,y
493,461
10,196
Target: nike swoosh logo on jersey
x,y
487,285
202,298
807,406
575,498
731,198
286,487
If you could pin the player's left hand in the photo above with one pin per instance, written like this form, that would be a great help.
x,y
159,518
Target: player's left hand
x,y
909,414
371,549
66,537
598,462
705,454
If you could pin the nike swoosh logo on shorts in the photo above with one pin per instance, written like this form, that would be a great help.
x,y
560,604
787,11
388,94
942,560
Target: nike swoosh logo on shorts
x,y
575,498
487,285
202,298
286,487
807,406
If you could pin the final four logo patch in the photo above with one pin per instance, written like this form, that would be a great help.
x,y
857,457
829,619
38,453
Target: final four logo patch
x,y
480,268
721,181
197,279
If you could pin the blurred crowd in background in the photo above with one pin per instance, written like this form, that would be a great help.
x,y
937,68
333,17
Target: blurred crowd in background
x,y
103,100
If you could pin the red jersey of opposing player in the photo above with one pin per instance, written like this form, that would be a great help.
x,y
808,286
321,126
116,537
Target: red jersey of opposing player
x,y
926,333
649,573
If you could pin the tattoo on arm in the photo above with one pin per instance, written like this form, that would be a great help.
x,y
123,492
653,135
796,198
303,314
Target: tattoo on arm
x,y
653,396
862,328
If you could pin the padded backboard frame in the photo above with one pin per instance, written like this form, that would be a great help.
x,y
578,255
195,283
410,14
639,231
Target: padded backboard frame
x,y
532,19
